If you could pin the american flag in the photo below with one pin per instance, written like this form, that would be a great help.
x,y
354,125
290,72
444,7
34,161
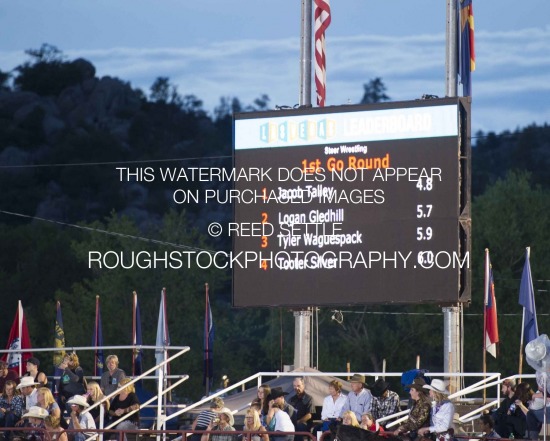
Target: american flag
x,y
322,21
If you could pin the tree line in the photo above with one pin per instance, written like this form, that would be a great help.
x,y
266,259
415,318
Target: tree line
x,y
63,132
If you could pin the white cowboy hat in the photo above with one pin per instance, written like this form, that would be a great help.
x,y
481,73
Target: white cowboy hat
x,y
79,400
26,382
437,386
36,412
226,411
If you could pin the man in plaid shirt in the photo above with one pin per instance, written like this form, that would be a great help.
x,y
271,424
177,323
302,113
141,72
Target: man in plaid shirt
x,y
384,402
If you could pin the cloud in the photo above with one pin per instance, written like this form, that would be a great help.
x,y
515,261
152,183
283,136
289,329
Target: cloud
x,y
511,71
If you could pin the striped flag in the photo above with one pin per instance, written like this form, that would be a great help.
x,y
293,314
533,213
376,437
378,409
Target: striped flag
x,y
208,344
467,57
491,325
527,300
17,340
97,341
322,21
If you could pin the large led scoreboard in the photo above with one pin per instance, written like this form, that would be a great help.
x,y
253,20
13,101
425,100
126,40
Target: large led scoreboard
x,y
353,205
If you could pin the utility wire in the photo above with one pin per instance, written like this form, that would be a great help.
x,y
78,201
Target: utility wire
x,y
111,233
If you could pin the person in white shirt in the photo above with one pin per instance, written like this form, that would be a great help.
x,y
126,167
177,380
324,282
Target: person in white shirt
x,y
332,406
442,409
282,423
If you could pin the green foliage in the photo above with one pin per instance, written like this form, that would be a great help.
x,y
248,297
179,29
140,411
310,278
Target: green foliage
x,y
374,92
4,80
510,215
47,74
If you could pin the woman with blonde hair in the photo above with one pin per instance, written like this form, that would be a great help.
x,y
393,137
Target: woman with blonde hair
x,y
125,402
95,394
442,409
252,424
350,419
46,401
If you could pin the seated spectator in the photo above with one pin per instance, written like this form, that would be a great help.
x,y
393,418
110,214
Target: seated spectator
x,y
349,419
277,396
80,420
499,416
517,416
54,429
125,402
71,382
32,371
6,375
535,416
11,406
442,410
34,419
224,423
419,415
488,428
27,386
261,401
332,407
252,424
280,422
369,423
205,418
95,395
45,400
112,377
385,402
359,400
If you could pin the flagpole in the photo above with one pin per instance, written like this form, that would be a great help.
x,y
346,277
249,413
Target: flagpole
x,y
134,351
528,253
20,331
206,343
485,321
451,53
305,54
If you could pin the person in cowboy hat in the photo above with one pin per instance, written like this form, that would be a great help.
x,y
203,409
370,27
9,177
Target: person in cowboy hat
x,y
277,396
28,391
385,402
224,423
442,409
419,415
80,420
35,420
359,400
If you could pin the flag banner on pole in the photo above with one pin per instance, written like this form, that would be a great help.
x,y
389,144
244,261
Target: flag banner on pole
x,y
137,365
322,21
466,58
527,300
491,325
163,338
97,341
208,343
17,340
59,339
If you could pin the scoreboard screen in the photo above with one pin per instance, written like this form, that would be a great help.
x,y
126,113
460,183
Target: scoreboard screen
x,y
353,205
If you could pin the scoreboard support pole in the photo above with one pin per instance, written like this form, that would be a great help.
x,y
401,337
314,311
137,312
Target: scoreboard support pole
x,y
302,338
452,353
302,319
